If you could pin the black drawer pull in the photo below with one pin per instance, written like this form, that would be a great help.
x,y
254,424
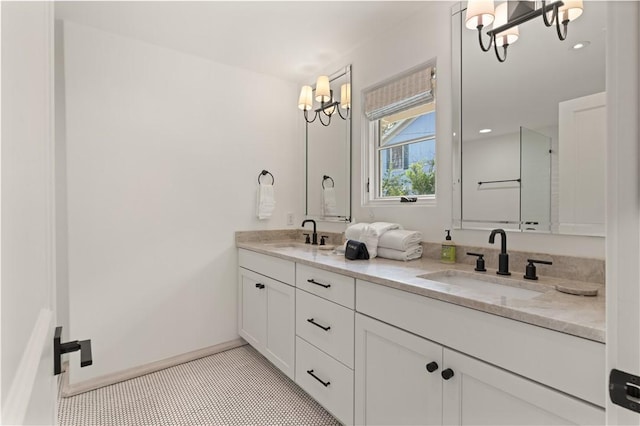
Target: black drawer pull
x,y
327,328
310,372
312,281
259,285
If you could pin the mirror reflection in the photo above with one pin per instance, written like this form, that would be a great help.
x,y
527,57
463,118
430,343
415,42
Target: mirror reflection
x,y
328,157
531,130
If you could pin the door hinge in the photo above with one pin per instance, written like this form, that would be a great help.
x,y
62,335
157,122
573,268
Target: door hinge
x,y
624,390
367,184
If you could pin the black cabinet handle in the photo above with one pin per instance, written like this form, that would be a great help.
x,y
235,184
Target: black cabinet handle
x,y
259,285
432,366
327,328
310,372
312,281
447,374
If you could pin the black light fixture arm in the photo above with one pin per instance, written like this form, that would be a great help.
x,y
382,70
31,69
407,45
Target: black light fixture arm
x,y
491,39
306,116
548,22
562,35
529,16
504,50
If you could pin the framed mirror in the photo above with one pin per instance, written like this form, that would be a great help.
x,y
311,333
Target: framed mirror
x,y
328,160
530,132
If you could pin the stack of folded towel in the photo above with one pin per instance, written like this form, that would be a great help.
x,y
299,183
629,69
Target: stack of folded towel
x,y
387,240
400,244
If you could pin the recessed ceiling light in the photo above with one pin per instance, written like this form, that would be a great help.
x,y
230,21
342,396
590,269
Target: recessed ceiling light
x,y
485,131
580,45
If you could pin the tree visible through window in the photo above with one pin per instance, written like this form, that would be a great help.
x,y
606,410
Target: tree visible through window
x,y
405,152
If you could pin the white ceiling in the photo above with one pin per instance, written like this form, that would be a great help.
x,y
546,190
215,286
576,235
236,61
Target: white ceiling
x,y
292,40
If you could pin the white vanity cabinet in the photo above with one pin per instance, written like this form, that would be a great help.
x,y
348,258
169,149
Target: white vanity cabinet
x,y
266,308
392,383
324,342
513,386
375,355
401,378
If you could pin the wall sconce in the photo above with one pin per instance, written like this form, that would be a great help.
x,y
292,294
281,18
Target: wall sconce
x,y
508,15
324,95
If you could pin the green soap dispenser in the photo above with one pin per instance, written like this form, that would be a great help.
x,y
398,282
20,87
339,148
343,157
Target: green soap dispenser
x,y
448,254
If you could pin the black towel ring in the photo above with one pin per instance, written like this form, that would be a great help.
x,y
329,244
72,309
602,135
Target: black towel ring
x,y
325,177
264,173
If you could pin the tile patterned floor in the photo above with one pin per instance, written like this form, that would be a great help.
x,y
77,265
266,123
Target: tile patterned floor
x,y
236,387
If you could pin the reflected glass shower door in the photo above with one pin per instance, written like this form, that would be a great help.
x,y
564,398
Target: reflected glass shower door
x,y
535,185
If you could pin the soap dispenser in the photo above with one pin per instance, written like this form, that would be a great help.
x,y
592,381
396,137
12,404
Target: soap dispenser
x,y
448,253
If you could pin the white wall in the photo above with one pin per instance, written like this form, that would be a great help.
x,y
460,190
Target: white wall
x,y
163,150
422,37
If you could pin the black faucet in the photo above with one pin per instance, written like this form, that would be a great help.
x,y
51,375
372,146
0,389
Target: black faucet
x,y
314,236
503,257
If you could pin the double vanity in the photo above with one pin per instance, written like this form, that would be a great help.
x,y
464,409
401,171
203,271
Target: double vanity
x,y
388,342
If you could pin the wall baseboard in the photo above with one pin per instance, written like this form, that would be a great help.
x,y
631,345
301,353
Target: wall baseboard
x,y
68,390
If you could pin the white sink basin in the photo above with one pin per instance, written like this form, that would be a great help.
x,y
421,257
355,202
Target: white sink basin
x,y
289,245
488,284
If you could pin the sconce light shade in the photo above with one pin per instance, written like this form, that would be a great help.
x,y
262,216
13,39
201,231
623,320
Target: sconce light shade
x,y
345,96
306,98
479,12
323,90
508,36
570,10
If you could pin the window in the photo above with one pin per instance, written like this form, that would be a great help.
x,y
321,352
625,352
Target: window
x,y
402,137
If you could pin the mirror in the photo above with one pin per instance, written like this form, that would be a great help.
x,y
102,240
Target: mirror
x,y
328,161
529,133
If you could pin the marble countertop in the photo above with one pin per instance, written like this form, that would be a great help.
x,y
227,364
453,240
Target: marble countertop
x,y
582,316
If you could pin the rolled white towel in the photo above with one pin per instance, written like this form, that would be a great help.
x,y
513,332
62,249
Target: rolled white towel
x,y
411,253
381,227
399,239
329,202
354,232
266,202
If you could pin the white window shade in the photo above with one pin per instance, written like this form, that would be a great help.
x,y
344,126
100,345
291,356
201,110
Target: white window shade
x,y
405,92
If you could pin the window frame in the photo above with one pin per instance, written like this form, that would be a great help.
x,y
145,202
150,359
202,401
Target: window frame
x,y
371,162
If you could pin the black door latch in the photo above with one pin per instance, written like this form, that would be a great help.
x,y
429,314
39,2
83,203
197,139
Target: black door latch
x,y
624,390
84,346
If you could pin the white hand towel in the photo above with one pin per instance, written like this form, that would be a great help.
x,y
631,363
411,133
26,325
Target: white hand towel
x,y
413,252
266,202
400,239
354,232
371,234
329,202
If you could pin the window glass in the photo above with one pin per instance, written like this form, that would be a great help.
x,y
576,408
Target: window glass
x,y
405,153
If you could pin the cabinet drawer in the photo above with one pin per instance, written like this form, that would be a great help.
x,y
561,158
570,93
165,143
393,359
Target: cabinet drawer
x,y
279,269
326,325
329,285
325,379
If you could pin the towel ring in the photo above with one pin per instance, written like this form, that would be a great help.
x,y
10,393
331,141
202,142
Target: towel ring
x,y
325,177
264,173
